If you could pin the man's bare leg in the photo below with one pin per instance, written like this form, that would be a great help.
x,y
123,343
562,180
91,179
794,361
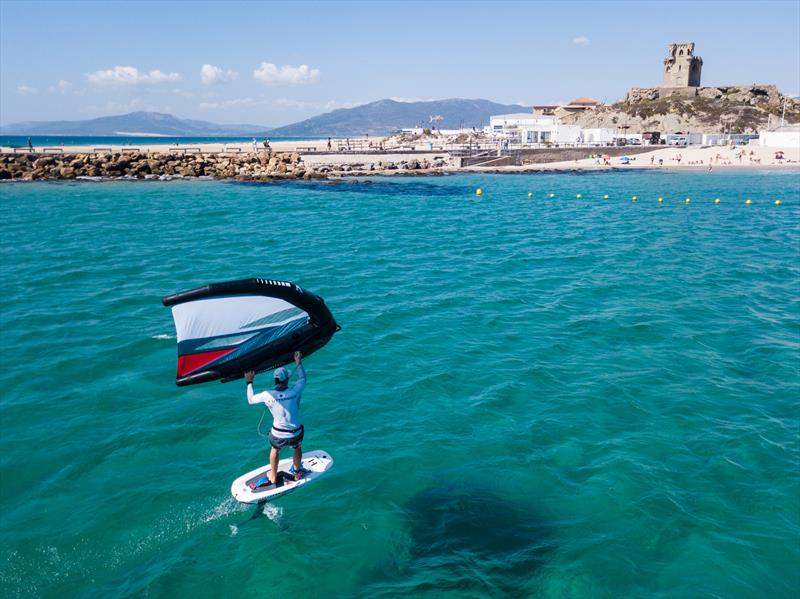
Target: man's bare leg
x,y
297,457
274,454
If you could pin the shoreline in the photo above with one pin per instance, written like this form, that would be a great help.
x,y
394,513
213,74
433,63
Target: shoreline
x,y
363,177
288,165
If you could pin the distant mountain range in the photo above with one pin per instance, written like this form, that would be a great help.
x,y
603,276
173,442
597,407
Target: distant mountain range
x,y
375,118
147,123
385,116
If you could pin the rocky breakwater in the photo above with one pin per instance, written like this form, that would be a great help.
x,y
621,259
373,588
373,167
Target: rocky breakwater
x,y
153,165
159,165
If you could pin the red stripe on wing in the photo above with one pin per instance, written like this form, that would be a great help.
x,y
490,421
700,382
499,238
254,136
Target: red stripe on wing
x,y
191,362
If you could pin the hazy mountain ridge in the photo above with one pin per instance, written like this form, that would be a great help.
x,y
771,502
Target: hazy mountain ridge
x,y
152,123
375,118
384,116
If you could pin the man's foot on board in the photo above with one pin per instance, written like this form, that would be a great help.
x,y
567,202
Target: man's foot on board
x,y
261,482
299,473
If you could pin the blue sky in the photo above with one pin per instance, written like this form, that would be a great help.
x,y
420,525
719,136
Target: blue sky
x,y
276,63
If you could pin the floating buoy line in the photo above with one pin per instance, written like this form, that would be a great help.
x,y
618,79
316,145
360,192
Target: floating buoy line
x,y
634,199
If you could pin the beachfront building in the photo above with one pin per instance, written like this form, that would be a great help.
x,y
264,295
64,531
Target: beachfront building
x,y
598,136
531,129
782,137
576,106
523,128
545,109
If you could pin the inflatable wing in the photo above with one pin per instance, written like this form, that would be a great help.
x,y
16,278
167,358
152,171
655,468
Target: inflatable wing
x,y
226,329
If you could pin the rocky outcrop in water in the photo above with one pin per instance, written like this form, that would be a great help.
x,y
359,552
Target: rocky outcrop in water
x,y
154,165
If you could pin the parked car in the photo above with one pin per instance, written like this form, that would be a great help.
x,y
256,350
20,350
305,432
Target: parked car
x,y
678,140
652,137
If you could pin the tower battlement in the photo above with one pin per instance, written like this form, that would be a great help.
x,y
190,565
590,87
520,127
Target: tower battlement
x,y
681,67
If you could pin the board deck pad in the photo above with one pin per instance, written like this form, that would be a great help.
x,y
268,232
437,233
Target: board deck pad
x,y
282,477
315,462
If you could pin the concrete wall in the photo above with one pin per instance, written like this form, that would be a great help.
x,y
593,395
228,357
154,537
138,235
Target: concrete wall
x,y
540,155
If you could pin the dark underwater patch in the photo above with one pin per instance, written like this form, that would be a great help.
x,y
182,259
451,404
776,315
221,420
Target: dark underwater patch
x,y
467,540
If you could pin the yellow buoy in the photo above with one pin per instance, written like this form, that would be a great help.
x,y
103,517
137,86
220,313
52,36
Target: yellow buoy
x,y
479,192
578,196
605,197
716,200
530,194
552,195
777,202
660,200
688,200
748,201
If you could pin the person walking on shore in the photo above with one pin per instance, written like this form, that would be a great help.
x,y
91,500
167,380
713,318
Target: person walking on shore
x,y
255,146
30,145
284,405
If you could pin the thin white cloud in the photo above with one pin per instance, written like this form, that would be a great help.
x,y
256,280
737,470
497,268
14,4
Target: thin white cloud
x,y
289,103
26,90
134,104
411,99
183,93
126,76
302,105
334,104
62,86
232,103
581,40
210,74
286,75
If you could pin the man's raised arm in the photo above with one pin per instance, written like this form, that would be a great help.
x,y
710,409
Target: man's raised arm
x,y
251,394
301,373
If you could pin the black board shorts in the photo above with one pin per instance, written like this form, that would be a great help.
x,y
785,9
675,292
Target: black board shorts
x,y
280,442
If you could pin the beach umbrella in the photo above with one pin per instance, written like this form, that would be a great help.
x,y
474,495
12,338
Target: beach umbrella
x,y
778,153
606,157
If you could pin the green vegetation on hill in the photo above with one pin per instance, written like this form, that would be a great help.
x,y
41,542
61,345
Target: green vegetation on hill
x,y
741,109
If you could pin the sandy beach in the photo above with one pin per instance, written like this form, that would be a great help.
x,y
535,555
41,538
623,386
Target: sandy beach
x,y
688,157
365,157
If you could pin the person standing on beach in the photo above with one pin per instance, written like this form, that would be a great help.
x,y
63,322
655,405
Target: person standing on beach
x,y
30,144
255,146
284,405
329,144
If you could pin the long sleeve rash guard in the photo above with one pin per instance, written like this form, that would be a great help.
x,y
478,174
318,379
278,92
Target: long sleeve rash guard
x,y
283,405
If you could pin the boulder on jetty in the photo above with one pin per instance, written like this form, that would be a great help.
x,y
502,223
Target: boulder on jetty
x,y
150,165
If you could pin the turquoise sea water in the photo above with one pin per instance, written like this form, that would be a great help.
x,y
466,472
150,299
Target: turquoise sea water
x,y
529,397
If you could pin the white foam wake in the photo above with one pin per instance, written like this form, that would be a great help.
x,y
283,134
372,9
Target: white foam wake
x,y
274,513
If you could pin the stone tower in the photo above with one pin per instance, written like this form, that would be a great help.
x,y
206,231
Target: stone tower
x,y
682,68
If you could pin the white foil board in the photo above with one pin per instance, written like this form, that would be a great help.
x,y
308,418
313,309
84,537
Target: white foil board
x,y
317,462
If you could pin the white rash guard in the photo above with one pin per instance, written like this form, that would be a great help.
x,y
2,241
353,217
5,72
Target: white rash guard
x,y
284,405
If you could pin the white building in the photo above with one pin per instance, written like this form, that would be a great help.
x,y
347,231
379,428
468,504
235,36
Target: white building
x,y
530,128
782,137
598,136
523,127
